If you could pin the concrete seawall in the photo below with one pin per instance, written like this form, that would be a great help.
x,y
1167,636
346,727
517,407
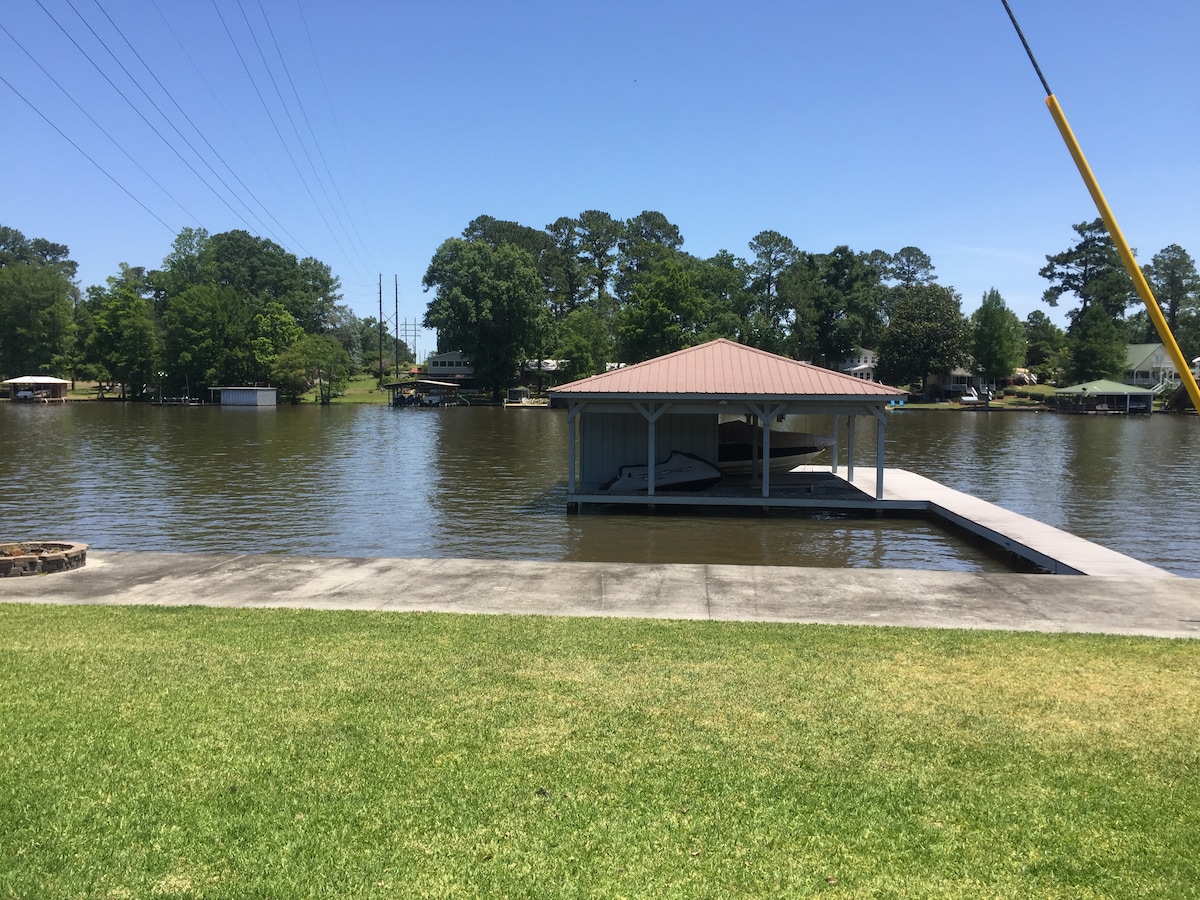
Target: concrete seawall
x,y
1154,606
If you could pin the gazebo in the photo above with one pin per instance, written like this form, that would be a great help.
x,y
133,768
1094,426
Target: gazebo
x,y
37,388
673,403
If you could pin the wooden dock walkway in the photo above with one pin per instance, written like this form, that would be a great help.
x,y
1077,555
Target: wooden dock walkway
x,y
1053,549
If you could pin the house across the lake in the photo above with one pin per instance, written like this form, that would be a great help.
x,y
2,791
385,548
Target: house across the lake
x,y
1149,366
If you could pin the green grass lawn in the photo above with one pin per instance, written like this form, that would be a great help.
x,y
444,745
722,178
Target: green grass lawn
x,y
273,754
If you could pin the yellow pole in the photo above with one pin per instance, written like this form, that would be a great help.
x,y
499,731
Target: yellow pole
x,y
1135,271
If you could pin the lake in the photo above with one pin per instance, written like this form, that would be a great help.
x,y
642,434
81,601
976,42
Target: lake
x,y
491,483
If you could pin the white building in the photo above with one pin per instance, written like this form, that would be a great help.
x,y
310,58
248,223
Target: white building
x,y
862,363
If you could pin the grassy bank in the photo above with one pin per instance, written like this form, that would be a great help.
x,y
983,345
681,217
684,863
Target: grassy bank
x,y
224,753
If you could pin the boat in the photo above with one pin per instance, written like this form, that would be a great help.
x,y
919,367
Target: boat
x,y
679,472
739,448
971,399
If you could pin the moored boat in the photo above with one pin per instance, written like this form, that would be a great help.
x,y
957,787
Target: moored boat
x,y
679,472
739,448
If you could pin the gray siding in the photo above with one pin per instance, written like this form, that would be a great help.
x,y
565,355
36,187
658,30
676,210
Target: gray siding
x,y
248,396
608,441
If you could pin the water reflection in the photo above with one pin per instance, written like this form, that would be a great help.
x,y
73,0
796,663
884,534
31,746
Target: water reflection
x,y
490,483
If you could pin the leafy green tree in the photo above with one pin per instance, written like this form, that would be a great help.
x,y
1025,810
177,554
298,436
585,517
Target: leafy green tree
x,y
1092,271
317,360
1172,276
909,267
182,267
1097,346
274,330
599,234
124,339
998,339
927,334
496,232
209,340
836,301
721,281
16,249
773,253
584,342
663,314
315,297
563,270
36,320
1045,346
647,240
487,304
37,294
331,363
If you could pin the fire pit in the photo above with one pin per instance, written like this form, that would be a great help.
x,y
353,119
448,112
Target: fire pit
x,y
41,557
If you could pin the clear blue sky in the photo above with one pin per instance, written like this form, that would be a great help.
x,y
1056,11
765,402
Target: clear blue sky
x,y
870,123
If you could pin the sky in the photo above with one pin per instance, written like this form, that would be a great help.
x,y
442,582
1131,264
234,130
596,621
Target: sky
x,y
366,132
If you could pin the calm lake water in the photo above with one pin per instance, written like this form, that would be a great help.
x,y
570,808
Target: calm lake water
x,y
490,483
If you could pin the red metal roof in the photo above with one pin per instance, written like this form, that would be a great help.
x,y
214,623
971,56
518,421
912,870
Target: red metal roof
x,y
724,368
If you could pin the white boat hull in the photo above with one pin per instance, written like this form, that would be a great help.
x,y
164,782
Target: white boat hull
x,y
679,472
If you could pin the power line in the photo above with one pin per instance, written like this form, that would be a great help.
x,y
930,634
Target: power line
x,y
86,156
102,129
233,122
132,106
312,133
286,111
195,128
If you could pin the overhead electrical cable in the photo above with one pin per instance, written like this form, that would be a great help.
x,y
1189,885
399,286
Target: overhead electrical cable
x,y
103,170
195,128
169,121
140,114
287,112
101,128
336,127
270,172
313,135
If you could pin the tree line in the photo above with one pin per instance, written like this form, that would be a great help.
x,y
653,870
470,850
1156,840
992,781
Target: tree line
x,y
594,289
233,308
223,309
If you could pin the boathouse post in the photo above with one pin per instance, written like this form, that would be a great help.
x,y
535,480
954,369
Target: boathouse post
x,y
850,448
835,450
880,430
572,416
651,415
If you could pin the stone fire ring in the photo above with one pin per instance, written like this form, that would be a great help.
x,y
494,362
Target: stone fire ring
x,y
41,557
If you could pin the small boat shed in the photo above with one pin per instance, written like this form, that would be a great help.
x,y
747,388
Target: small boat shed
x,y
1104,398
246,395
38,388
640,414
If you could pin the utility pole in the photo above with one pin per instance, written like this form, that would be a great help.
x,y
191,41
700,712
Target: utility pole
x,y
380,329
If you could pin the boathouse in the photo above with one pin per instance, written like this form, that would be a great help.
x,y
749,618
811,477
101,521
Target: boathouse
x,y
246,396
643,413
1103,398
38,388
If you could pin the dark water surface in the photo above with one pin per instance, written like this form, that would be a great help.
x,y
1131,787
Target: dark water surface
x,y
490,483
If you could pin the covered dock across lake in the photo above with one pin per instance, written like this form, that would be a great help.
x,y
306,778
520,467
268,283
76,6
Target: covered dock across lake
x,y
1104,397
37,388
